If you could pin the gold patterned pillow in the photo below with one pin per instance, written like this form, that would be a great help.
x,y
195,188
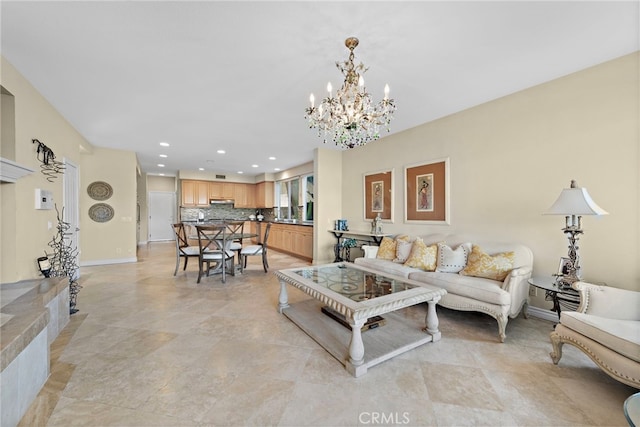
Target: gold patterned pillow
x,y
422,256
495,267
387,249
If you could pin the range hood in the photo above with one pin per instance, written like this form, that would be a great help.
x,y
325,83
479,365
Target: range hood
x,y
221,201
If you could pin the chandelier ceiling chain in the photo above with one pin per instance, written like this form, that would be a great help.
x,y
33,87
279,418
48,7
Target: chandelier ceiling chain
x,y
350,118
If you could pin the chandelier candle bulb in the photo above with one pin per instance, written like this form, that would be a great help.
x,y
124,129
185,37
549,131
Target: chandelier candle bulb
x,y
312,100
386,92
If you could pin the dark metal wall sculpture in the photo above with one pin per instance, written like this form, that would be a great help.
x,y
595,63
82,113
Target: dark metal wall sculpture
x,y
64,260
49,166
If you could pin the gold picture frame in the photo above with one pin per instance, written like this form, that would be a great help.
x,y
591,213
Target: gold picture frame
x,y
426,195
378,195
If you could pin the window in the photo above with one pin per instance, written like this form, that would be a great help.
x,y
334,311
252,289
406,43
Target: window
x,y
294,202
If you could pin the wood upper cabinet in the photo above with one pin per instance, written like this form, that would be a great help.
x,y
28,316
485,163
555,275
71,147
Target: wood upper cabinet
x,y
264,194
244,195
198,193
195,193
215,190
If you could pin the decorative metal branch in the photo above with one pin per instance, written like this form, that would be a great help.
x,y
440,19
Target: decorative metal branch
x,y
64,259
49,166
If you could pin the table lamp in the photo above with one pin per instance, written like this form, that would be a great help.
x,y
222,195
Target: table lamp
x,y
573,202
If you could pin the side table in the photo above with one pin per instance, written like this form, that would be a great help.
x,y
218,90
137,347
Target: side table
x,y
568,298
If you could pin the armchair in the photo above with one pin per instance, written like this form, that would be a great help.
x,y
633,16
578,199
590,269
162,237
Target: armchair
x,y
606,327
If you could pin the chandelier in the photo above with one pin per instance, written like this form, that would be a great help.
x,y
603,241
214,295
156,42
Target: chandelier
x,y
350,118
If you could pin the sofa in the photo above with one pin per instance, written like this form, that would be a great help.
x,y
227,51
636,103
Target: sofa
x,y
606,327
470,286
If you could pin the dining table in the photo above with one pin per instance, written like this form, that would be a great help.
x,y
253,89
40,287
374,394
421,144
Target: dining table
x,y
219,237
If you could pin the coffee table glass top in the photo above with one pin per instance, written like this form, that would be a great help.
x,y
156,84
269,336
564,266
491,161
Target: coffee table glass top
x,y
356,284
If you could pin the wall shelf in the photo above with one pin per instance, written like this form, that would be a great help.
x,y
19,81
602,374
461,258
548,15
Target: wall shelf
x,y
11,171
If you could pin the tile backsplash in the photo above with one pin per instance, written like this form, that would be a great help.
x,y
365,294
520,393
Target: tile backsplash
x,y
222,211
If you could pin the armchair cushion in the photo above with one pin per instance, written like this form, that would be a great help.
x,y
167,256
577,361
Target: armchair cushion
x,y
623,336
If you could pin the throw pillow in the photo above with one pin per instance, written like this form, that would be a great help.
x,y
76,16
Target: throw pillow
x,y
387,249
450,260
403,250
495,267
422,256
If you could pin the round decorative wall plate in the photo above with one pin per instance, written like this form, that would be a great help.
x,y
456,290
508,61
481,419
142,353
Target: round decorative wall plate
x,y
99,190
101,212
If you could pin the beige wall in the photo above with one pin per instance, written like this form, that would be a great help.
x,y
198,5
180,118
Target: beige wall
x,y
25,233
329,201
511,158
113,241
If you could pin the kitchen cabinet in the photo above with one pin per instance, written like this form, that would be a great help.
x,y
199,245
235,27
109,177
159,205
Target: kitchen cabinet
x,y
264,194
244,195
195,193
215,190
228,190
296,240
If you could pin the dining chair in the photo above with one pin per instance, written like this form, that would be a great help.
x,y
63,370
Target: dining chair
x,y
183,249
235,229
258,249
213,248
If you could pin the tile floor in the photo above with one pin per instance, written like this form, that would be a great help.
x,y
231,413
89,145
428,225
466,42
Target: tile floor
x,y
151,349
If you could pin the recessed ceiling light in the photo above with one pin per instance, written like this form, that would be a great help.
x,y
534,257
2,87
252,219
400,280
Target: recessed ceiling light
x,y
160,165
164,144
272,158
161,174
276,169
221,151
200,169
254,166
240,172
164,156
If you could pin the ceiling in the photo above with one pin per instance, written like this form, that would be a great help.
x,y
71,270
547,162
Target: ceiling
x,y
236,76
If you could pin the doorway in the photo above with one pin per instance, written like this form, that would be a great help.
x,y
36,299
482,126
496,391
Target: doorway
x,y
162,213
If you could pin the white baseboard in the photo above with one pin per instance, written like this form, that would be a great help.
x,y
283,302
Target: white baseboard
x,y
108,261
543,313
142,243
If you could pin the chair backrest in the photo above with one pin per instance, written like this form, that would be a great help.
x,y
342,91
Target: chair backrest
x,y
266,235
211,237
180,236
234,228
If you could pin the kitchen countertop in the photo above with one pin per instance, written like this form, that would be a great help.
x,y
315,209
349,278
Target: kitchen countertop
x,y
218,221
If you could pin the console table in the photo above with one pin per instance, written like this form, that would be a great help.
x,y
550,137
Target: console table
x,y
342,254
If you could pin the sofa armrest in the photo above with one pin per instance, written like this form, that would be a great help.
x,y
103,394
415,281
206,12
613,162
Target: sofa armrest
x,y
609,302
515,277
518,287
370,251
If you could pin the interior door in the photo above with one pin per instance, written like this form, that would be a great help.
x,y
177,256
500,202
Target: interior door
x,y
162,213
71,212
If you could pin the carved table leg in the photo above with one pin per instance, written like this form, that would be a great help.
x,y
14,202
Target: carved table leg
x,y
283,299
356,349
432,320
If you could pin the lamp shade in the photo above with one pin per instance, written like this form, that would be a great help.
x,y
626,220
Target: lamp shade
x,y
575,201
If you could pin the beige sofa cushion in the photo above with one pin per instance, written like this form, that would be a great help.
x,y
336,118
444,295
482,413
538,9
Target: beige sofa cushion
x,y
481,264
385,266
477,288
622,336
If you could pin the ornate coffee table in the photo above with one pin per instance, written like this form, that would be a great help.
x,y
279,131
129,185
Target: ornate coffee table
x,y
357,294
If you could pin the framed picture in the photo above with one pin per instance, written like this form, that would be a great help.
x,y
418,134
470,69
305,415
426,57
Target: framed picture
x,y
563,267
378,195
426,195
